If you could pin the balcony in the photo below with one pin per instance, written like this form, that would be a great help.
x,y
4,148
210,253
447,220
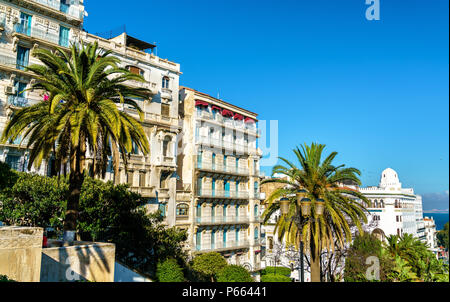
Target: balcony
x,y
219,143
42,36
222,194
148,85
221,168
60,7
211,220
223,246
17,101
166,93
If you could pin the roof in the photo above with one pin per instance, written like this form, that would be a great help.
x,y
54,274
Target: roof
x,y
132,41
218,100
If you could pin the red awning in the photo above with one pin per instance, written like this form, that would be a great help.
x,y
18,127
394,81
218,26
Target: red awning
x,y
238,117
249,120
214,107
201,103
227,113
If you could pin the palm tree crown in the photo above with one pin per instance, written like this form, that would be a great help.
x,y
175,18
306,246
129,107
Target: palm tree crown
x,y
81,114
344,207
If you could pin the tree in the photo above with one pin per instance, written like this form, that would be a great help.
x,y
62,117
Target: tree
x,y
209,264
80,115
321,180
108,213
34,200
413,260
169,271
234,273
8,177
364,246
442,237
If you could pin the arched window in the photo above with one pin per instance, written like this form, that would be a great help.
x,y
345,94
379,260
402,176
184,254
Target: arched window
x,y
165,82
256,212
182,209
256,234
166,145
382,204
375,204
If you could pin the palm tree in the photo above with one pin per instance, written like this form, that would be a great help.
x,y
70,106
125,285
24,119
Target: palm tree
x,y
344,207
81,114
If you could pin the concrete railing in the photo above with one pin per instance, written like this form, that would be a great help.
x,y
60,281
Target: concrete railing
x,y
222,219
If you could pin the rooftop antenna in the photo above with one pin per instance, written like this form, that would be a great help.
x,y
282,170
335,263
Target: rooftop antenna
x,y
218,95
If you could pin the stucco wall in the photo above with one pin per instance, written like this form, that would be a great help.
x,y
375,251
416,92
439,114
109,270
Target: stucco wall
x,y
20,253
81,262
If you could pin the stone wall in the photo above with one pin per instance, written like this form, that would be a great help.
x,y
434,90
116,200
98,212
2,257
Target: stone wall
x,y
20,253
84,261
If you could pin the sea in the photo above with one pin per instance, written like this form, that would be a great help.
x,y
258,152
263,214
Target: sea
x,y
439,218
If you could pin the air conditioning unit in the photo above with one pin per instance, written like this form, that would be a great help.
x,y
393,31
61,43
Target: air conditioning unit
x,y
10,89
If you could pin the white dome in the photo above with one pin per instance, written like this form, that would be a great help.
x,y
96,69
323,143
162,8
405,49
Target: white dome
x,y
389,178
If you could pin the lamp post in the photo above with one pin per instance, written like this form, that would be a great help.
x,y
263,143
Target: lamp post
x,y
305,206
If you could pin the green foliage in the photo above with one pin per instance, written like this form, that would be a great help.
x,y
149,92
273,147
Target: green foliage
x,y
8,177
34,200
442,237
402,259
169,271
275,278
319,178
4,278
209,264
234,273
84,88
280,270
108,213
364,246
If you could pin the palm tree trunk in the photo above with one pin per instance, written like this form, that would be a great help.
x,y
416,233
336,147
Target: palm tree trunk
x,y
76,178
315,262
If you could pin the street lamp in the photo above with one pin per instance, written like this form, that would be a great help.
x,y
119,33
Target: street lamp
x,y
320,206
284,205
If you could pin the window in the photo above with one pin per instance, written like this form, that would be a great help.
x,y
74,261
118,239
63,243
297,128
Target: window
x,y
166,144
64,36
182,209
198,239
142,179
165,82
165,110
64,6
135,70
14,162
24,27
23,55
130,178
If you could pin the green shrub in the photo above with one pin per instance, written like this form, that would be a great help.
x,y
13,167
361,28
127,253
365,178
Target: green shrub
x,y
8,177
234,273
209,264
279,270
4,278
275,278
169,271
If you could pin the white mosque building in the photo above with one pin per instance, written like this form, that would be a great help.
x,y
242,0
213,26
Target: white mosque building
x,y
394,210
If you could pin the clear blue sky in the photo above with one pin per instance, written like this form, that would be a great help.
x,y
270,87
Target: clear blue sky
x,y
375,91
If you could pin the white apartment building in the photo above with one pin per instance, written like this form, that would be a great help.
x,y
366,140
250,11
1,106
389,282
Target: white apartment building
x,y
394,210
218,165
154,175
24,26
430,234
29,24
